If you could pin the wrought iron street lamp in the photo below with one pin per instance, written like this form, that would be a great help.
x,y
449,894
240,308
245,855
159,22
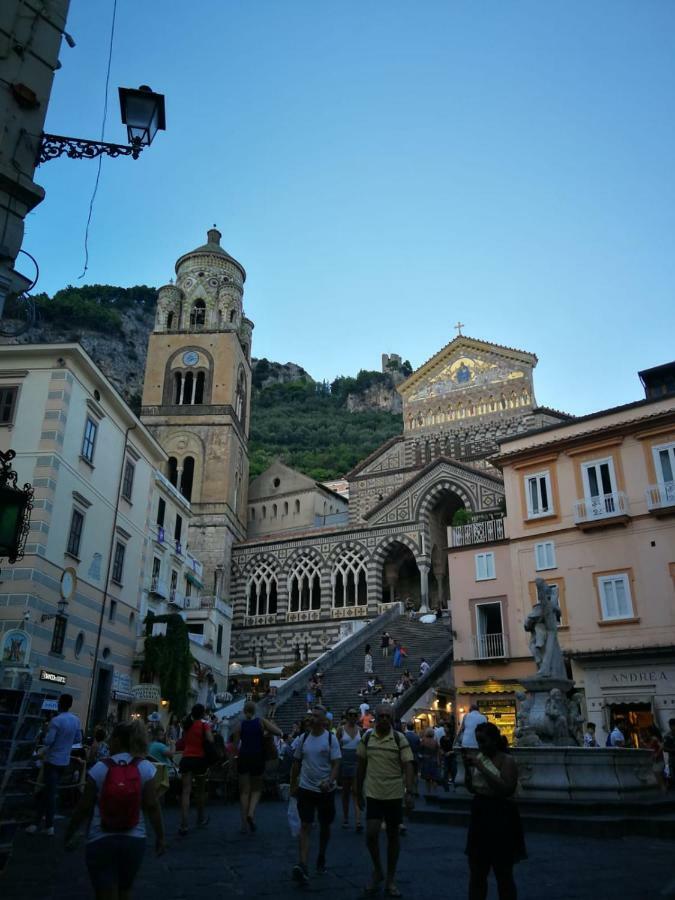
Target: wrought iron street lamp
x,y
15,508
61,608
142,112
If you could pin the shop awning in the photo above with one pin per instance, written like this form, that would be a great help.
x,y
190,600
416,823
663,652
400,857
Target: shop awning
x,y
490,688
192,578
628,699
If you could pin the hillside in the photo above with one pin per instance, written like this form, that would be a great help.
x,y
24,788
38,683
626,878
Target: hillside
x,y
320,429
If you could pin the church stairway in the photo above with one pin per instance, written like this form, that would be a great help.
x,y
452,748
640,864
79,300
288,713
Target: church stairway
x,y
343,673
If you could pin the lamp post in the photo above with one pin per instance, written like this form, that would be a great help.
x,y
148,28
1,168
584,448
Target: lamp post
x,y
143,113
15,508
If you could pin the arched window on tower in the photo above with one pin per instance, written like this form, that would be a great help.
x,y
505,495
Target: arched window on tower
x,y
188,387
198,314
187,477
233,313
173,471
178,384
199,387
240,398
169,322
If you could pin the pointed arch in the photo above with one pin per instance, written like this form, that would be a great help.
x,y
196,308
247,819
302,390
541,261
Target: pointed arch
x,y
198,314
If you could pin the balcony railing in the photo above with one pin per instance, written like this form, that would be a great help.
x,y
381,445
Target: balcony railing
x,y
211,602
660,496
605,506
159,588
477,532
490,646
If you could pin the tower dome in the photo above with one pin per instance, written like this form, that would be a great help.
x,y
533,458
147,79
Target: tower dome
x,y
209,253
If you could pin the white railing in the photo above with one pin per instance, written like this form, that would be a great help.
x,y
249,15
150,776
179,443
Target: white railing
x,y
490,646
157,586
477,532
661,496
210,602
605,506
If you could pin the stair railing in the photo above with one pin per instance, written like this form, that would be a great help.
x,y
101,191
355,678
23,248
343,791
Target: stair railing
x,y
403,703
328,659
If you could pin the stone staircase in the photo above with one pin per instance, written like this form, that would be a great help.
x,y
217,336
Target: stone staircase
x,y
343,666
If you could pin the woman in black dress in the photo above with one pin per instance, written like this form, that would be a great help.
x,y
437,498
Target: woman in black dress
x,y
495,837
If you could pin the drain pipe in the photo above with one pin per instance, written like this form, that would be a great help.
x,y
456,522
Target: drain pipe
x,y
107,577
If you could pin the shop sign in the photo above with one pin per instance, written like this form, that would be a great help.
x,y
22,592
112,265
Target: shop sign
x,y
636,677
146,693
121,686
54,677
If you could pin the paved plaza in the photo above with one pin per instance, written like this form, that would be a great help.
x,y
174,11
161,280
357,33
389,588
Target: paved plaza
x,y
220,862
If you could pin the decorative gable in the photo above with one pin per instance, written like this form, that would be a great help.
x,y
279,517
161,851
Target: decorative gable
x,y
466,379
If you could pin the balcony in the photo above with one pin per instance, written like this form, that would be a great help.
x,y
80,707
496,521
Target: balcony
x,y
210,602
605,509
661,498
159,588
477,532
490,646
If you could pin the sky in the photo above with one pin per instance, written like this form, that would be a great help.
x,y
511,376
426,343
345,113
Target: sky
x,y
384,170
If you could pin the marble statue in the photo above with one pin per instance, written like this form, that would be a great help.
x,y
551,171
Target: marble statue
x,y
542,625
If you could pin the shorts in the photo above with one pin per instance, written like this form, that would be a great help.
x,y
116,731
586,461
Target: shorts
x,y
323,803
389,811
193,765
113,862
251,764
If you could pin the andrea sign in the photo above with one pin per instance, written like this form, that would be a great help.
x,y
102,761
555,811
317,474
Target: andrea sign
x,y
54,677
637,677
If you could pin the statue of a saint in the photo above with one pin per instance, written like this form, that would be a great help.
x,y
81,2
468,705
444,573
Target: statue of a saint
x,y
542,625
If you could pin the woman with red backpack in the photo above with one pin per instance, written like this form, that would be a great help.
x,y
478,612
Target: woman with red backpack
x,y
118,794
199,752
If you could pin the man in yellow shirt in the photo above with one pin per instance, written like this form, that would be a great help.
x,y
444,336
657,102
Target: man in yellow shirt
x,y
385,778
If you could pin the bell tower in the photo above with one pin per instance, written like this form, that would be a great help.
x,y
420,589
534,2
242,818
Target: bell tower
x,y
196,399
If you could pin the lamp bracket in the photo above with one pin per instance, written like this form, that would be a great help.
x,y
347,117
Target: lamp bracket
x,y
55,145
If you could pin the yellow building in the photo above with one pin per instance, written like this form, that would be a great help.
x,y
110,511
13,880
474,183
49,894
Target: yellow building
x,y
591,509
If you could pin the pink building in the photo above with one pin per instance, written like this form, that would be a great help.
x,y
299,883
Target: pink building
x,y
590,508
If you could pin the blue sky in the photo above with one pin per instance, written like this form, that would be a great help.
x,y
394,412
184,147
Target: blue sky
x,y
383,169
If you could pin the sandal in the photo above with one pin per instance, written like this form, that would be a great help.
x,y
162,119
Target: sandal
x,y
204,822
392,891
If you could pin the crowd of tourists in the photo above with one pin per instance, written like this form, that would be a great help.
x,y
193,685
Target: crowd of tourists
x,y
375,765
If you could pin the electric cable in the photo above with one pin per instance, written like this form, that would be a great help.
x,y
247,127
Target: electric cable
x,y
100,159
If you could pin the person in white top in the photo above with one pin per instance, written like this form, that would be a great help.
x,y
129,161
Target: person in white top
x,y
467,732
115,813
616,737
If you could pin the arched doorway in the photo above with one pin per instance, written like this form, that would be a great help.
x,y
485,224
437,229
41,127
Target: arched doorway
x,y
400,575
440,518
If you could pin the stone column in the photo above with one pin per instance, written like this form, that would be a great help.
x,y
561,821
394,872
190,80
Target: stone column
x,y
282,597
391,578
424,587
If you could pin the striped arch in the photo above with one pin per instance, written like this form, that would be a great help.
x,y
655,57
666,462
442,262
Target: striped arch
x,y
382,549
298,554
256,561
340,548
429,497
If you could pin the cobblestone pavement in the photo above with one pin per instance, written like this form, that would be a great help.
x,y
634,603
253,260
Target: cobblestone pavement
x,y
224,863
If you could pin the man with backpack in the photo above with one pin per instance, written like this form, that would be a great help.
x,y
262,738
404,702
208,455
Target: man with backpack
x,y
385,781
314,774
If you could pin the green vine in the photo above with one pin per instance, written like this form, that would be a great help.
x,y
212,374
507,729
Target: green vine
x,y
168,656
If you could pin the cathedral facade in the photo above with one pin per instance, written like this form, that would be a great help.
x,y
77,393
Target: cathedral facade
x,y
301,564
